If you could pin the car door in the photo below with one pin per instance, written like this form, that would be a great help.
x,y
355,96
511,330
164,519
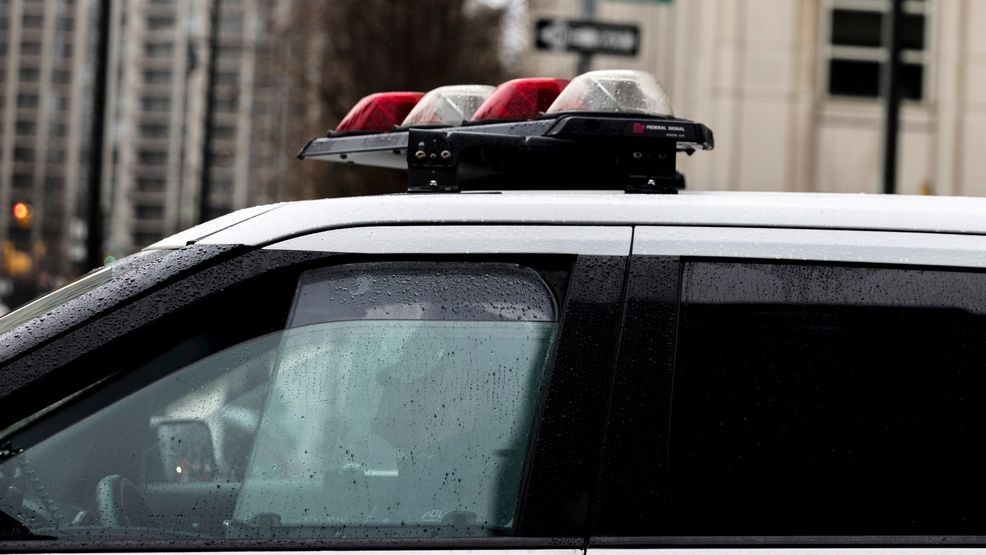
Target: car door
x,y
816,390
398,387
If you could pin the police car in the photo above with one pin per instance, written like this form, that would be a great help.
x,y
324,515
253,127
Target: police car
x,y
489,368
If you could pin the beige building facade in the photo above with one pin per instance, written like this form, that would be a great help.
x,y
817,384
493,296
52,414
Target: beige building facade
x,y
790,89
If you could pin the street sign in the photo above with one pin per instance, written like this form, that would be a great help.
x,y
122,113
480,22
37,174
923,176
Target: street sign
x,y
587,37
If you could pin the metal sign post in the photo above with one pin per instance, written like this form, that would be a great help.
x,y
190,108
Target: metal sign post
x,y
588,13
890,85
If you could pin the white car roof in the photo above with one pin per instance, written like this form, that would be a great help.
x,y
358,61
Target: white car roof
x,y
259,226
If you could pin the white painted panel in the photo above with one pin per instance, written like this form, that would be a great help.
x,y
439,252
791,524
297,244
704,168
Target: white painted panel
x,y
801,210
830,245
591,240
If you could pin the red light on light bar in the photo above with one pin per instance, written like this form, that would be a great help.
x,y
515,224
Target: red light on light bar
x,y
378,112
520,99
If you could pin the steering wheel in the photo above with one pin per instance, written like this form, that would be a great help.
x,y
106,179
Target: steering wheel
x,y
119,504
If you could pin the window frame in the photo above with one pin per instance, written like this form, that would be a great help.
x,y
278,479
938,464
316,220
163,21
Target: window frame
x,y
575,391
827,51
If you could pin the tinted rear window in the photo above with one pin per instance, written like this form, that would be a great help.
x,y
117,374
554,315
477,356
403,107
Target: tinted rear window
x,y
828,400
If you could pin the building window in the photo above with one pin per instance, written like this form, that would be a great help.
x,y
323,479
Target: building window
x,y
30,48
223,132
56,129
152,157
27,101
157,76
29,74
150,184
61,76
155,104
23,155
160,22
23,181
854,51
158,49
32,21
154,130
146,212
25,127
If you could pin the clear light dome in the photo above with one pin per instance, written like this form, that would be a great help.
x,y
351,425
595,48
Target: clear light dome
x,y
618,91
449,105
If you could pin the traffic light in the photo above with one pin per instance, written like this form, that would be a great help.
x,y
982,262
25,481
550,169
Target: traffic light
x,y
21,211
17,260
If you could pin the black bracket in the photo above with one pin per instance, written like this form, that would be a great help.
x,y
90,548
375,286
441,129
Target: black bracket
x,y
432,162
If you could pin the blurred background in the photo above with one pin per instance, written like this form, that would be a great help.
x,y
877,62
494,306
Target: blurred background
x,y
206,102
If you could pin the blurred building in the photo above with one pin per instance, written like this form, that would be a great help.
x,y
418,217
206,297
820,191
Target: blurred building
x,y
156,110
159,99
790,88
45,83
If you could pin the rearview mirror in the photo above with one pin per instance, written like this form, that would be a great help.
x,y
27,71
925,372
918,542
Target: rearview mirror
x,y
185,448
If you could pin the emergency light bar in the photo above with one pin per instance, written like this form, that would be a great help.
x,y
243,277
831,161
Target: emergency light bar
x,y
606,129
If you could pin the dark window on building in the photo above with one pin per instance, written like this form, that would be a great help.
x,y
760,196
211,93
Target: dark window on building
x,y
24,127
23,154
152,157
155,104
828,400
154,130
23,181
150,184
158,22
224,131
855,48
226,77
157,76
29,74
53,185
149,212
32,21
57,130
61,77
27,101
30,48
158,49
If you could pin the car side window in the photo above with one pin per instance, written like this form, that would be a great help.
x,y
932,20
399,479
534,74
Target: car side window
x,y
397,402
828,400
